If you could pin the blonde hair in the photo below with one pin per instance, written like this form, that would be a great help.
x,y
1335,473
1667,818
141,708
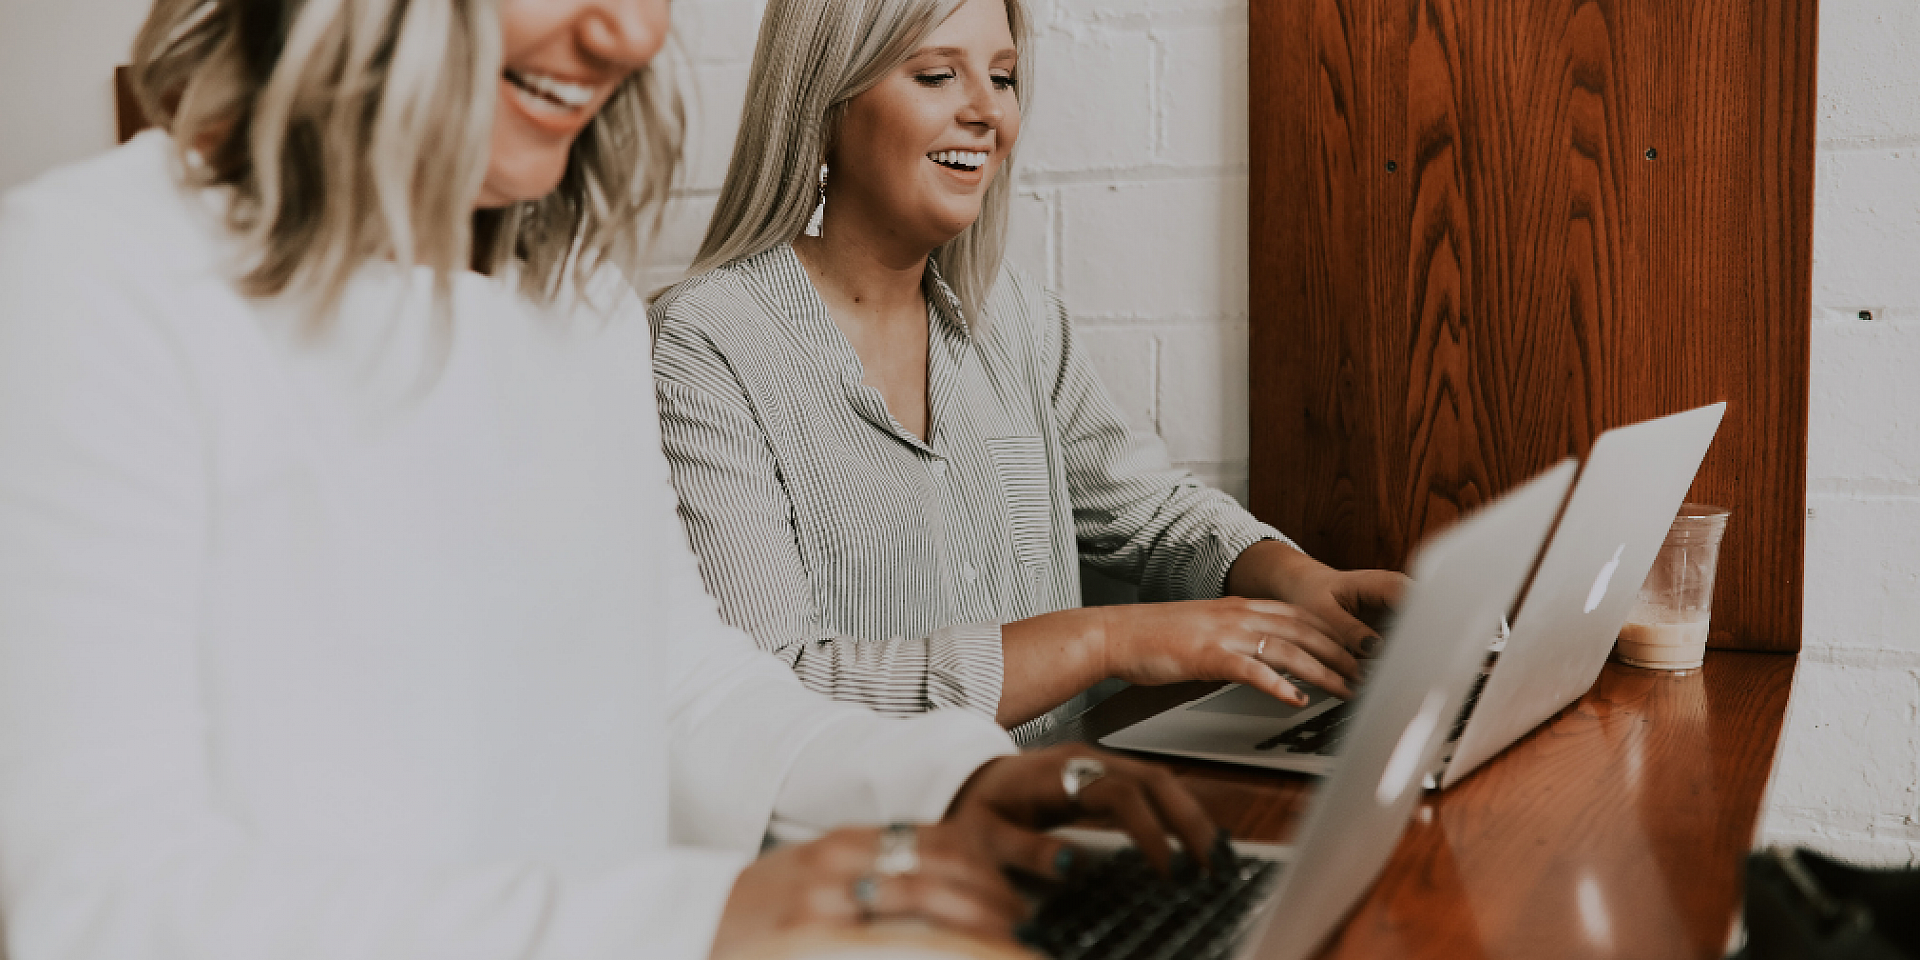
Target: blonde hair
x,y
353,130
812,57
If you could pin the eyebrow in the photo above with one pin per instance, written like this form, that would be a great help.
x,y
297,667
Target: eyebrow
x,y
1007,53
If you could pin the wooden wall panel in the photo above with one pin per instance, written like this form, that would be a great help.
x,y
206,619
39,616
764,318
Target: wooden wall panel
x,y
128,118
1484,231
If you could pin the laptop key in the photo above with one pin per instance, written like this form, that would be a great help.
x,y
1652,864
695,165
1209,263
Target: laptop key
x,y
1307,736
1121,907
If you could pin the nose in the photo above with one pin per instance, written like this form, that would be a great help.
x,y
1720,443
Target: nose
x,y
982,107
624,34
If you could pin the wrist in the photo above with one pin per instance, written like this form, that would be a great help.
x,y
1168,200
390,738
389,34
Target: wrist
x,y
1272,570
961,795
1100,633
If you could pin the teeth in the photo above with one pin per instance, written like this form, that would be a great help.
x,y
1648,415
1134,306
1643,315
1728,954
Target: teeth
x,y
570,95
961,159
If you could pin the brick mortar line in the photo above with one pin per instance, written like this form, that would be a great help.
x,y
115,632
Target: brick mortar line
x,y
1122,322
1868,144
1031,179
1849,656
1861,490
1230,14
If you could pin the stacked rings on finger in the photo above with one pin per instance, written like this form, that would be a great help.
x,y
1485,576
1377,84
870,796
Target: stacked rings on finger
x,y
898,853
1078,773
866,895
899,850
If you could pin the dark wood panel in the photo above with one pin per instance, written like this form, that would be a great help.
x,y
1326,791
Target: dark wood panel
x,y
1484,231
1617,829
128,117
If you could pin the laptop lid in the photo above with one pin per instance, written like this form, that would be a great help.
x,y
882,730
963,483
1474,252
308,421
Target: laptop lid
x,y
1463,580
1633,483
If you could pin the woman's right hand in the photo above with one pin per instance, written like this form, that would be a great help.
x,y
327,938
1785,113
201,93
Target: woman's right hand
x,y
810,886
1244,641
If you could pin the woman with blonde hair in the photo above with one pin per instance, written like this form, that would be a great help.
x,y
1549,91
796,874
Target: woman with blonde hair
x,y
343,608
891,451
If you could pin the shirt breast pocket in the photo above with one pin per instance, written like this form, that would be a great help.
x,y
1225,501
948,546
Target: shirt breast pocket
x,y
1021,465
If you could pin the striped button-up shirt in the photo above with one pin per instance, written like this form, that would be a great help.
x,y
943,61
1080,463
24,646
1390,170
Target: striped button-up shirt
x,y
882,566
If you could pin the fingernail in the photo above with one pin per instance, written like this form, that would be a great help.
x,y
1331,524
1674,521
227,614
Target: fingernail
x,y
1063,862
1371,645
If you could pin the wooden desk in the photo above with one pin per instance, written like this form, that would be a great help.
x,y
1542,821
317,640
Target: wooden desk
x,y
1614,830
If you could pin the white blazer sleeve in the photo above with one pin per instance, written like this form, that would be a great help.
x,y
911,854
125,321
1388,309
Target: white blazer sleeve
x,y
112,844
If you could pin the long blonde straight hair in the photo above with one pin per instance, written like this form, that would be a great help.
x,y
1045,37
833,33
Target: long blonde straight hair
x,y
354,130
812,57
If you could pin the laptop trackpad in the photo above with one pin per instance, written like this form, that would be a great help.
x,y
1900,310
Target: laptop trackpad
x,y
1245,701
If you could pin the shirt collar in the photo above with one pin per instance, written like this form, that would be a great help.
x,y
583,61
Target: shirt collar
x,y
946,303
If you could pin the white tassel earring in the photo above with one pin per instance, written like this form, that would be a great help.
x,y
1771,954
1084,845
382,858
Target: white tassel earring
x,y
819,208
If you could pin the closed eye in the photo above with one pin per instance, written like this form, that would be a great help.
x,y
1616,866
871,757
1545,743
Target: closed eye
x,y
933,78
1003,81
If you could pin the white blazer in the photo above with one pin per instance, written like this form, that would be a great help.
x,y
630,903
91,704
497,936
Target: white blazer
x,y
385,644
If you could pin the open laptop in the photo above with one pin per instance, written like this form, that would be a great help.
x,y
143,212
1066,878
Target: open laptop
x,y
1464,578
1586,584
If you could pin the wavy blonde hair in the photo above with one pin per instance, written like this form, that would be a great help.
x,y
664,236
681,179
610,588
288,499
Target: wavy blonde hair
x,y
354,130
812,57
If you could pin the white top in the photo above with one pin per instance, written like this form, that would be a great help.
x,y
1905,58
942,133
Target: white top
x,y
355,648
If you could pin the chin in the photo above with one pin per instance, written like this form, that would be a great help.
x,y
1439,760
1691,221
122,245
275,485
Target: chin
x,y
522,183
952,223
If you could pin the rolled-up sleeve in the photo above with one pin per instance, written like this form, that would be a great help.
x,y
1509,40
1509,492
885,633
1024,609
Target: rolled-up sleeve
x,y
739,518
1138,517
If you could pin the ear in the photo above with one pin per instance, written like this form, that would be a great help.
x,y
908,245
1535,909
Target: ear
x,y
830,131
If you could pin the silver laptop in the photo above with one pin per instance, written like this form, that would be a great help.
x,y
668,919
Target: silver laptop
x,y
1631,487
1585,586
1464,578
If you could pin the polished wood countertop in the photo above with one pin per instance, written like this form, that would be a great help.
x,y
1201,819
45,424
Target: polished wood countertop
x,y
1616,829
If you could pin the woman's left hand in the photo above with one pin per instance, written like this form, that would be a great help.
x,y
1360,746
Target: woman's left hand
x,y
1029,792
1342,599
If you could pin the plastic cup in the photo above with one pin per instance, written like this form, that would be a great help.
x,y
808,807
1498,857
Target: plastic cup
x,y
1668,627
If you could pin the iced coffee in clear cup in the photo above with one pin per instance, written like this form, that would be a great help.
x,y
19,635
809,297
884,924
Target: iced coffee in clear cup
x,y
1668,627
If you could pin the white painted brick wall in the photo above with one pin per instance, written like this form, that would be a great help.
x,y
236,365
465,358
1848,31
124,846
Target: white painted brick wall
x,y
1848,776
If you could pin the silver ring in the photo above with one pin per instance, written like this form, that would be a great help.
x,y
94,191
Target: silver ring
x,y
1078,773
1260,650
899,850
866,895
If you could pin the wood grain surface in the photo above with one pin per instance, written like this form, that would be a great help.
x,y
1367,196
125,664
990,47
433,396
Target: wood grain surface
x,y
128,118
1616,829
1484,231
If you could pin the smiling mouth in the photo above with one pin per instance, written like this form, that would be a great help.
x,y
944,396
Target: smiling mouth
x,y
965,161
552,92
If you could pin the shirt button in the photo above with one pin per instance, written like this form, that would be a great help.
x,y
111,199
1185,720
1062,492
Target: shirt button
x,y
939,468
968,573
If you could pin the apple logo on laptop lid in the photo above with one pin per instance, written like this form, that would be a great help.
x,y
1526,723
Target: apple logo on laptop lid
x,y
1405,760
1600,582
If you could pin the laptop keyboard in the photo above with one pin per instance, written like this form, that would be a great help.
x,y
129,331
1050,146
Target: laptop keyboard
x,y
1466,709
1323,734
1121,908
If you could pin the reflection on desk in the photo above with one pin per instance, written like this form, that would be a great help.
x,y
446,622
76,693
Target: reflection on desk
x,y
1614,830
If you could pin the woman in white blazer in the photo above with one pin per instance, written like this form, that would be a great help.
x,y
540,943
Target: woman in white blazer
x,y
343,606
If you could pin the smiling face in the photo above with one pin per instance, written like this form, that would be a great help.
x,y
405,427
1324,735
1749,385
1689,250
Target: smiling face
x,y
913,156
562,60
